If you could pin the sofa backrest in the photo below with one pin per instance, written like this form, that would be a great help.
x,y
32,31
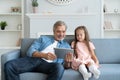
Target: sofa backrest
x,y
26,43
107,50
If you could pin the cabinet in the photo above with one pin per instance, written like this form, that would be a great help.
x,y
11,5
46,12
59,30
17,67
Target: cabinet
x,y
111,18
12,11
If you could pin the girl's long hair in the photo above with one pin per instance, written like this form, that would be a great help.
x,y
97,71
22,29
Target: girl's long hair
x,y
87,39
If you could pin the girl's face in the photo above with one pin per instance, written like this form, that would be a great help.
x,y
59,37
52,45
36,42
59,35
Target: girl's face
x,y
80,35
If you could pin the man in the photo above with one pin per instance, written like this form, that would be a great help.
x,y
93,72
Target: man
x,y
41,57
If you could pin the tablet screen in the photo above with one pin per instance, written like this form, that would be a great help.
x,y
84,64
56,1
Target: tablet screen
x,y
61,52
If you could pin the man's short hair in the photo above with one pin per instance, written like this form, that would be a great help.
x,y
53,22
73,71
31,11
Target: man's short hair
x,y
59,23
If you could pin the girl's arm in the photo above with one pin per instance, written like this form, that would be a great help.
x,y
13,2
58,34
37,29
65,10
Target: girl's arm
x,y
94,57
72,44
73,47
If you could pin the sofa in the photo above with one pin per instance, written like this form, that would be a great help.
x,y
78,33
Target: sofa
x,y
107,51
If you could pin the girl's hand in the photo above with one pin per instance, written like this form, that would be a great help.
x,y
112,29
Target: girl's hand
x,y
97,64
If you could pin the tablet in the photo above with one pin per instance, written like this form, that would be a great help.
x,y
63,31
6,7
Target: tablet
x,y
61,52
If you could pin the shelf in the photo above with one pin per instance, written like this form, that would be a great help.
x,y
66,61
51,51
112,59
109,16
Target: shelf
x,y
109,30
10,14
13,14
9,47
57,14
111,13
10,30
61,14
112,18
32,15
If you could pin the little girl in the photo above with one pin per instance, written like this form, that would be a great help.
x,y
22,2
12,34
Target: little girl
x,y
84,54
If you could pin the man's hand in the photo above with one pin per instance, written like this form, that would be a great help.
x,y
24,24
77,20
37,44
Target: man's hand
x,y
50,56
69,57
68,60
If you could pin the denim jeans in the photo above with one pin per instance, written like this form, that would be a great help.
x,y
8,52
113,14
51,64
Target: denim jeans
x,y
30,64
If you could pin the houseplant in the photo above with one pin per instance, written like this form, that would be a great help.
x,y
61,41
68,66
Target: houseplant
x,y
35,6
3,24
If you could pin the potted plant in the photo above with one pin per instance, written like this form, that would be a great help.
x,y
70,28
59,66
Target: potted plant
x,y
35,6
3,24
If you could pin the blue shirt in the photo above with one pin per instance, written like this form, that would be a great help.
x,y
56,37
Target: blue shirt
x,y
43,42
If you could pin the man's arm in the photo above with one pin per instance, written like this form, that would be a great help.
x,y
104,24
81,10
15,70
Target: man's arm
x,y
34,47
48,56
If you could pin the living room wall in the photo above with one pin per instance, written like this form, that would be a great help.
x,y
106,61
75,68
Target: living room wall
x,y
79,12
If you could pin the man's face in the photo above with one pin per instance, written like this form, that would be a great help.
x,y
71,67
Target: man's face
x,y
60,32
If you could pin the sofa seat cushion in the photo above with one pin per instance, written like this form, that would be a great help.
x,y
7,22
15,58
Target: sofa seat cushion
x,y
69,74
108,72
33,76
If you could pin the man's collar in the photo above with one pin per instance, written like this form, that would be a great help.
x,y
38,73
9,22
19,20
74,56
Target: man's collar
x,y
61,41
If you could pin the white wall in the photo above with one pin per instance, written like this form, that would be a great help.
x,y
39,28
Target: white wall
x,y
75,7
72,14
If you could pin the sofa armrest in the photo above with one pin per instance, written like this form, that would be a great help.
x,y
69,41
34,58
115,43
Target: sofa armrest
x,y
14,54
10,55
